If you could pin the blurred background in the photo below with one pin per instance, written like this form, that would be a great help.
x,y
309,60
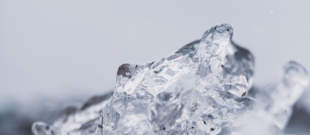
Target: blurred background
x,y
59,53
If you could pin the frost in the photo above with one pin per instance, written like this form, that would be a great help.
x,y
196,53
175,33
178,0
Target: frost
x,y
203,88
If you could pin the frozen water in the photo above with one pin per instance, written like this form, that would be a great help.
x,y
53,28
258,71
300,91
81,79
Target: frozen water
x,y
201,89
274,104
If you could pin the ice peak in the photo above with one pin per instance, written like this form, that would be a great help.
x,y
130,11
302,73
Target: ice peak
x,y
200,89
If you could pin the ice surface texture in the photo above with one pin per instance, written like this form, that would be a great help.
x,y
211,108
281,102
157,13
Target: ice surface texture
x,y
202,89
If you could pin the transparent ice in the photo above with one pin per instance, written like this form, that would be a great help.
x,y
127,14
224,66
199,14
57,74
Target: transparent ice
x,y
204,88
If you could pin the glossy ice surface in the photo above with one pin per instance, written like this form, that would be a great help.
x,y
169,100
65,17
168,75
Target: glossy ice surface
x,y
201,89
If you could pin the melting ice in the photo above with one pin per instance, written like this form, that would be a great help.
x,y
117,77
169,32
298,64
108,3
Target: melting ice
x,y
204,88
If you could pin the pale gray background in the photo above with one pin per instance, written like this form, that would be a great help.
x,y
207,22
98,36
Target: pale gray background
x,y
65,48
58,52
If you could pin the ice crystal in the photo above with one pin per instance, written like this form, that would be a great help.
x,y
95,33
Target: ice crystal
x,y
203,88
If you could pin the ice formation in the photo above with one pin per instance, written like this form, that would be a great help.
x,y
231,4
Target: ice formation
x,y
204,88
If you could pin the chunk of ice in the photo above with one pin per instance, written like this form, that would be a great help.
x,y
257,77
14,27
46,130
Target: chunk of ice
x,y
201,89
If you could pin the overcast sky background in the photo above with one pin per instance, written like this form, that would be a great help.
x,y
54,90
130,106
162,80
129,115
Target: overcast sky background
x,y
65,48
